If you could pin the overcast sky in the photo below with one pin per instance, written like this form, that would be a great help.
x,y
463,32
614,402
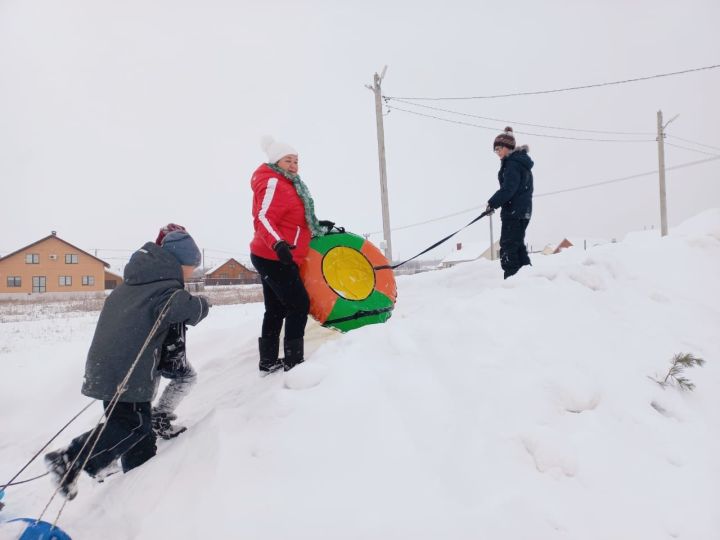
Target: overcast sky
x,y
118,117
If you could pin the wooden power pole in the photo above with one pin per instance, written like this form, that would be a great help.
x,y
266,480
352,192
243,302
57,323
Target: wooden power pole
x,y
661,170
377,81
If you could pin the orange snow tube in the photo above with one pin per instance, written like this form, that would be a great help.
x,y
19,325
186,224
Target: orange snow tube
x,y
349,282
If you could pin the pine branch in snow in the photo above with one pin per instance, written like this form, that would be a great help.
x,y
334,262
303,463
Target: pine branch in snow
x,y
675,376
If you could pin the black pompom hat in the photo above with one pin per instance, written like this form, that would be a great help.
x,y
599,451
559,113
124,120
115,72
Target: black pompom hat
x,y
506,139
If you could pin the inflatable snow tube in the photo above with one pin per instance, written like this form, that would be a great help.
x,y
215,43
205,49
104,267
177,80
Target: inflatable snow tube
x,y
40,530
349,282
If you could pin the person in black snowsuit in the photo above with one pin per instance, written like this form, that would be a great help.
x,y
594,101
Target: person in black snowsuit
x,y
515,198
153,284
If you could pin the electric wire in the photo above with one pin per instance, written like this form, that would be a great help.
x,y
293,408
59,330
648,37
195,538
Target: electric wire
x,y
692,142
546,194
562,137
567,89
515,122
692,149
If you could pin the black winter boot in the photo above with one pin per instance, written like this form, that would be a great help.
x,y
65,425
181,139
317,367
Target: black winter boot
x,y
162,425
269,350
294,353
61,473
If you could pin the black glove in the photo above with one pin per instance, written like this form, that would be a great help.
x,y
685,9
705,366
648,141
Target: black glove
x,y
327,224
204,306
489,210
283,252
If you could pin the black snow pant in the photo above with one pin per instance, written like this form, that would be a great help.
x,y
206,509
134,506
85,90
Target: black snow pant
x,y
128,435
513,253
285,298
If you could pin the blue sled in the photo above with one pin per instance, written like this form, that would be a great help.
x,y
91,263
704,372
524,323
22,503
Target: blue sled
x,y
41,530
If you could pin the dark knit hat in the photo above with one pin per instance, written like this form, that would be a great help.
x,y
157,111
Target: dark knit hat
x,y
183,247
170,227
506,139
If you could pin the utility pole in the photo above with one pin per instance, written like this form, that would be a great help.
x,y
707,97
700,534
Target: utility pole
x,y
661,170
377,81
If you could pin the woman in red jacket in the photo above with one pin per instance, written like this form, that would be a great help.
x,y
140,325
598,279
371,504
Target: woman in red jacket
x,y
284,221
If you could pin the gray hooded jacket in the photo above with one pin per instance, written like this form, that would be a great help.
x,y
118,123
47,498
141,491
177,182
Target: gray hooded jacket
x,y
126,320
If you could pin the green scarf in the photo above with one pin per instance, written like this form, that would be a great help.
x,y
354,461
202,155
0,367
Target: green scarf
x,y
304,193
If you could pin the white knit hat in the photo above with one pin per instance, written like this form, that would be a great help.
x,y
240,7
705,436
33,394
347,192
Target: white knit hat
x,y
276,150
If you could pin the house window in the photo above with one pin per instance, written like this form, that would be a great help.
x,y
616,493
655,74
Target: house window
x,y
65,281
14,281
39,283
88,280
223,276
71,258
32,258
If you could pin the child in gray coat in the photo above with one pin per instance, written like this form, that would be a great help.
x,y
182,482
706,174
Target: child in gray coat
x,y
131,330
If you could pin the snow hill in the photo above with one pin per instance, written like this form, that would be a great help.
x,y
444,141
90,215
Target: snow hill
x,y
484,409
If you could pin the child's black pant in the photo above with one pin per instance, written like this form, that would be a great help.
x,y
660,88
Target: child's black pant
x,y
285,298
513,253
128,435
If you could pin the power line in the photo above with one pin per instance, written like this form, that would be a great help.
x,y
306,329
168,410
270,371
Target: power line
x,y
692,149
515,122
632,177
546,194
568,89
693,142
563,137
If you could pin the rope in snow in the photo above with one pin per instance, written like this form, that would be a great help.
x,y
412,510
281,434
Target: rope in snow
x,y
27,480
12,482
108,413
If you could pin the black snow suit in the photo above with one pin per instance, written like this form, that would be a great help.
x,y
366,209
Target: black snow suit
x,y
515,198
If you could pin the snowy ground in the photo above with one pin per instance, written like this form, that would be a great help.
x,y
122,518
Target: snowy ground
x,y
519,409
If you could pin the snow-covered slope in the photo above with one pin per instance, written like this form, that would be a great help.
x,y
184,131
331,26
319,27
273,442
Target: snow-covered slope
x,y
518,409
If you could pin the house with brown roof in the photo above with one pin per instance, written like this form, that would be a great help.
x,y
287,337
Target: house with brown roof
x,y
582,243
563,245
231,272
51,265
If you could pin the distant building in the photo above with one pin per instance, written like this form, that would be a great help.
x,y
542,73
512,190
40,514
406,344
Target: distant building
x,y
112,279
582,243
51,265
470,251
563,245
231,272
